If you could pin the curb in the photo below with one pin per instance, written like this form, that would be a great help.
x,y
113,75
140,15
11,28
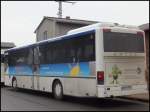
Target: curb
x,y
137,99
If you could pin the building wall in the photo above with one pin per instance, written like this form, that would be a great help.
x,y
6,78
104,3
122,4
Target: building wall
x,y
147,45
3,49
147,55
47,25
63,28
54,28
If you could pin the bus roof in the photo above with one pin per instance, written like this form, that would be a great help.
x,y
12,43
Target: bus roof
x,y
103,24
89,27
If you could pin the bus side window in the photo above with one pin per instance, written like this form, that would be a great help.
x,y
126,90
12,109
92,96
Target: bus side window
x,y
5,62
85,50
42,54
72,55
69,51
79,53
6,59
89,49
55,52
80,43
10,60
36,56
30,56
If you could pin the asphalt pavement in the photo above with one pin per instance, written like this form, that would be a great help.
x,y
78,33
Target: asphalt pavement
x,y
27,100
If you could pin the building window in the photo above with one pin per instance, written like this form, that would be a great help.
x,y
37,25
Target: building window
x,y
45,35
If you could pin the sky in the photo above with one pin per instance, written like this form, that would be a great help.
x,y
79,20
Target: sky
x,y
19,19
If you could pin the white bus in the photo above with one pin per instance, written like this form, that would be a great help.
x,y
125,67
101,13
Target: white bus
x,y
100,60
2,68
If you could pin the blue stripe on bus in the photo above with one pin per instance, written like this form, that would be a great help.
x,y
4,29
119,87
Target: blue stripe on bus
x,y
66,69
22,70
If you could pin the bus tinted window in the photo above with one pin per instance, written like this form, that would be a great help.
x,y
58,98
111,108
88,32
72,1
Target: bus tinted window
x,y
89,52
71,50
36,55
85,48
45,54
123,42
2,58
29,56
20,57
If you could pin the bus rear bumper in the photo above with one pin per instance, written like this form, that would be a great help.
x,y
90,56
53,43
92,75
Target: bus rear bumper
x,y
128,92
118,91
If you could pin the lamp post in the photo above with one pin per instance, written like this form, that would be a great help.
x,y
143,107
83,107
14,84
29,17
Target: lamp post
x,y
60,7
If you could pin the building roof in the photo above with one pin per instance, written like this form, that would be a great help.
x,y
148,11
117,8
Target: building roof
x,y
7,44
66,20
144,26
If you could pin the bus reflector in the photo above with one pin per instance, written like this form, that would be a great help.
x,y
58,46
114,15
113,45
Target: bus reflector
x,y
140,33
100,77
106,30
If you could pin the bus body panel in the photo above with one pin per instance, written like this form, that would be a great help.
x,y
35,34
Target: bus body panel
x,y
80,87
131,71
2,73
2,67
71,86
8,80
132,77
24,82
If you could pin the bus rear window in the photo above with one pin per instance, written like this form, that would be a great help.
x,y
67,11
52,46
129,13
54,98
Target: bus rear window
x,y
123,42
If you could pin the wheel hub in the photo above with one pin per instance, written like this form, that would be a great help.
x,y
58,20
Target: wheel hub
x,y
58,89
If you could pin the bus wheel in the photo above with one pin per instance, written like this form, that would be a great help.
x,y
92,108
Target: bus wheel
x,y
14,83
57,90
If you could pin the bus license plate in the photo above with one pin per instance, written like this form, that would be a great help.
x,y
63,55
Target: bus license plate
x,y
126,87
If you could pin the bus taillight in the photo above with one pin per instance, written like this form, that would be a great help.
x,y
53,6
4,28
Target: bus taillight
x,y
140,33
106,30
100,77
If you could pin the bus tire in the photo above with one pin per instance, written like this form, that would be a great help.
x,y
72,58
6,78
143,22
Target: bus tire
x,y
57,90
14,83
